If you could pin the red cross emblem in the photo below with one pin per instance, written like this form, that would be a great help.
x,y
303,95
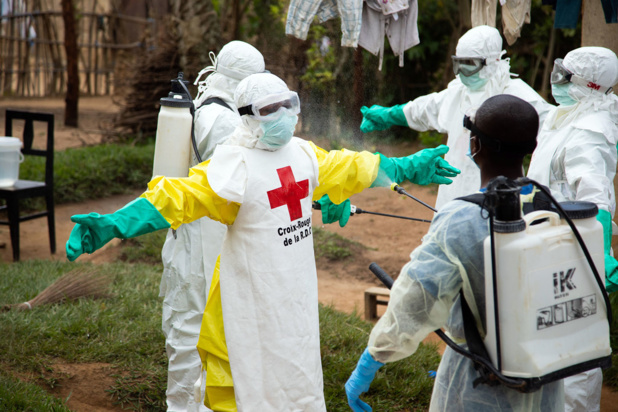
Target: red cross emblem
x,y
290,193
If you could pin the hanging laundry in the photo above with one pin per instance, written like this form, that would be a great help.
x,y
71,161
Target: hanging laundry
x,y
515,13
483,13
567,14
399,27
327,10
393,7
610,9
302,12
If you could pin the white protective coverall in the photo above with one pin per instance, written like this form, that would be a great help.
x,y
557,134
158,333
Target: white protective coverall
x,y
267,292
576,158
189,258
425,298
444,111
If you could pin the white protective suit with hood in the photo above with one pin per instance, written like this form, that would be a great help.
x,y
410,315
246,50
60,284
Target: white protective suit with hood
x,y
576,158
425,297
444,111
189,257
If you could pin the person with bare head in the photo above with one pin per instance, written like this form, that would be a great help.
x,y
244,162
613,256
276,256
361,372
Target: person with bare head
x,y
426,295
503,131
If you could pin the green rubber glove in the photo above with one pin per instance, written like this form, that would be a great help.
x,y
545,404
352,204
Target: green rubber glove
x,y
423,167
611,265
93,230
332,212
381,118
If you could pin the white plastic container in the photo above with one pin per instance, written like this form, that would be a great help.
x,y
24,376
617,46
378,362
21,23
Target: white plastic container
x,y
10,158
551,311
173,142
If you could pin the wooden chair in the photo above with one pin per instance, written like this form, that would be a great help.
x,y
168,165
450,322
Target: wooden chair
x,y
27,188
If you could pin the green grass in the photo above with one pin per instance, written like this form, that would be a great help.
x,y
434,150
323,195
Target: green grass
x,y
93,172
16,395
399,386
332,246
144,249
125,331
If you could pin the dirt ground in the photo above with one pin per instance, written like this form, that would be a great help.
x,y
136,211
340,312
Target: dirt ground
x,y
342,285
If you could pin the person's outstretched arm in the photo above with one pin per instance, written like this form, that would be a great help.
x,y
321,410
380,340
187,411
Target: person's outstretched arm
x,y
168,202
420,114
343,173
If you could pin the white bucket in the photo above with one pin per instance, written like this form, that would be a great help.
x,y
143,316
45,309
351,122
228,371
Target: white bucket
x,y
10,158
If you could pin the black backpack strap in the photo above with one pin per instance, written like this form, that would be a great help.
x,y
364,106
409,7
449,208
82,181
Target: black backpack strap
x,y
540,201
476,198
215,100
475,343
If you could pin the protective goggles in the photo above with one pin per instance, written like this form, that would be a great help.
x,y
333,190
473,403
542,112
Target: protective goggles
x,y
468,65
269,107
562,75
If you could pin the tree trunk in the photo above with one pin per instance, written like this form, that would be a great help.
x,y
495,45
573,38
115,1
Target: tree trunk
x,y
70,46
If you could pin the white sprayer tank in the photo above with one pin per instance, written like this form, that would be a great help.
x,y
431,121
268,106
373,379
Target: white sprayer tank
x,y
173,142
551,311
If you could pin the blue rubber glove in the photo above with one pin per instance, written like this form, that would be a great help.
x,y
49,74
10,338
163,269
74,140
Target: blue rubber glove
x,y
423,167
93,230
381,118
332,213
611,265
360,380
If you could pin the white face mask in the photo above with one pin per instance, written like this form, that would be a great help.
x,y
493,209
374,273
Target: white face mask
x,y
473,82
278,133
469,154
561,94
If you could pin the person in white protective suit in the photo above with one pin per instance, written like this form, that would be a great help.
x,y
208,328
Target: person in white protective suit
x,y
259,340
189,255
576,159
481,73
425,296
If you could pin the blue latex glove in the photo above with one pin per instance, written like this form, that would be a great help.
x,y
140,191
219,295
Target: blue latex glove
x,y
423,167
93,230
332,213
360,380
381,118
611,265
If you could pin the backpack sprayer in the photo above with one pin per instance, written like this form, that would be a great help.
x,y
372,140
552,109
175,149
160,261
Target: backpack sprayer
x,y
175,132
547,312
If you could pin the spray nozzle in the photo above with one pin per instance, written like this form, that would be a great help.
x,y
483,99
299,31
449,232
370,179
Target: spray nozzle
x,y
395,187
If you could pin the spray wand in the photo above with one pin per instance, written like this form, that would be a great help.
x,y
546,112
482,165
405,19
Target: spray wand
x,y
354,210
395,187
